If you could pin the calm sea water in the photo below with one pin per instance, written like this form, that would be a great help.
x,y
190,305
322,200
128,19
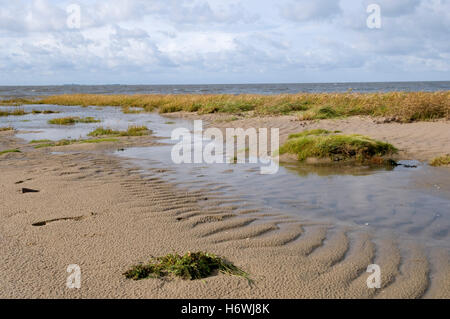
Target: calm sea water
x,y
29,91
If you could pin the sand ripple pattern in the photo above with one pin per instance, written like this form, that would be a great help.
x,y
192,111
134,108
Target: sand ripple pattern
x,y
131,218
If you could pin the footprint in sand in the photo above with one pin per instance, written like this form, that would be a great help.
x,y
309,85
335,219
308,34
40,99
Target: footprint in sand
x,y
29,190
45,222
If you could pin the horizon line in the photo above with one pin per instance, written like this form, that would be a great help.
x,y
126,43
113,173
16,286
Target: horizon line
x,y
201,84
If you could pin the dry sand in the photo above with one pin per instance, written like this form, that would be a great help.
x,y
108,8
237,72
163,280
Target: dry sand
x,y
419,140
105,218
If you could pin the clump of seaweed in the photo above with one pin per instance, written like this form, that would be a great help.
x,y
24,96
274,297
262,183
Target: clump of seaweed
x,y
7,128
70,120
337,147
131,131
441,160
189,267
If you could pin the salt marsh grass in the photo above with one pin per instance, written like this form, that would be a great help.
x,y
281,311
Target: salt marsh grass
x,y
49,143
441,160
323,144
44,112
401,106
10,151
70,120
16,112
131,131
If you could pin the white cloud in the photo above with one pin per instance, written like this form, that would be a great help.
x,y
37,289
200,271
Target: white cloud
x,y
210,40
305,10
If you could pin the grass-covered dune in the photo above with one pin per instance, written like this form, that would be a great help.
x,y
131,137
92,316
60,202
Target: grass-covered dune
x,y
402,106
323,144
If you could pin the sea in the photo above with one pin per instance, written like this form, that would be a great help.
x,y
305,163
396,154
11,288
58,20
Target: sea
x,y
267,89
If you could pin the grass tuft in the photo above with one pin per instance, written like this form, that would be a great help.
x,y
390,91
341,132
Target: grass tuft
x,y
7,128
441,160
64,142
10,151
40,141
131,131
17,112
99,140
191,266
324,144
309,133
70,120
44,112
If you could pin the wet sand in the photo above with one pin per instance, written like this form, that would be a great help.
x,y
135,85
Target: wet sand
x,y
104,218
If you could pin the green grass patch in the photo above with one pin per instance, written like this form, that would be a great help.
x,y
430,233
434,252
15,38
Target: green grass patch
x,y
99,140
18,112
190,266
131,131
309,133
44,112
101,131
325,144
10,151
131,110
44,145
70,120
441,160
40,141
64,142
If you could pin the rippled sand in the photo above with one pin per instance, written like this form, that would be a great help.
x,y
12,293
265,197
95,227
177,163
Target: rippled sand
x,y
94,213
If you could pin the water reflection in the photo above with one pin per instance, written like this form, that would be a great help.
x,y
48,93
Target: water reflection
x,y
305,170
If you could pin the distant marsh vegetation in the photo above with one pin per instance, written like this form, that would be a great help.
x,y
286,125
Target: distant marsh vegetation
x,y
401,106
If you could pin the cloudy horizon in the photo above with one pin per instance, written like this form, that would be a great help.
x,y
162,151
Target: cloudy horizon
x,y
220,42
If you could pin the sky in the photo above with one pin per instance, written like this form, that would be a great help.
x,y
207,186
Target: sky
x,y
45,42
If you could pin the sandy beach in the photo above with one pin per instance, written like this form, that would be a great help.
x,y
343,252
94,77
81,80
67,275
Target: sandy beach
x,y
225,158
93,211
